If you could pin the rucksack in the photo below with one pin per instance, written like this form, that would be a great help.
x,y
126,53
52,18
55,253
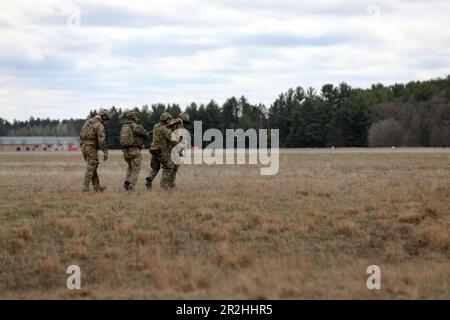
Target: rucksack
x,y
88,131
127,135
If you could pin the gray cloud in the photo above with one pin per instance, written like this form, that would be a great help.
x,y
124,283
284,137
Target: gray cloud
x,y
128,53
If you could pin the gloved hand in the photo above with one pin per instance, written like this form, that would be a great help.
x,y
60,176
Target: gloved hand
x,y
105,155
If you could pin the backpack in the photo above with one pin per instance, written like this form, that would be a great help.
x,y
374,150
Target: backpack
x,y
88,132
127,135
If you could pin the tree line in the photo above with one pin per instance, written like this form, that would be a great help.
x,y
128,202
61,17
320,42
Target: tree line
x,y
412,114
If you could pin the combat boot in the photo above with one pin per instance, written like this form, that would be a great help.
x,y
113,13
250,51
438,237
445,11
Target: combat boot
x,y
126,185
85,189
99,189
148,184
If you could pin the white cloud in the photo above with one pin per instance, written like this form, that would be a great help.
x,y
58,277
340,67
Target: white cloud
x,y
130,53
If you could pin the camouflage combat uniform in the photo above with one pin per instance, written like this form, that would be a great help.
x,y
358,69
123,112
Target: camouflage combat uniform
x,y
178,124
132,154
92,139
160,150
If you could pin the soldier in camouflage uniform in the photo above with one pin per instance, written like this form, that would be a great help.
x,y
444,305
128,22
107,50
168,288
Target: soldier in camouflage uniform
x,y
178,123
92,139
132,151
160,150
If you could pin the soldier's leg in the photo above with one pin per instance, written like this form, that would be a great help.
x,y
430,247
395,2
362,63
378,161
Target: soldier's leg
x,y
126,182
87,176
91,158
173,175
167,164
135,167
96,181
91,168
129,170
93,155
155,165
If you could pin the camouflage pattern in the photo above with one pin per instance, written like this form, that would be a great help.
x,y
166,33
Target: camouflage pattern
x,y
177,124
104,114
90,155
184,116
162,138
139,132
92,139
132,155
93,133
133,158
160,150
165,116
163,160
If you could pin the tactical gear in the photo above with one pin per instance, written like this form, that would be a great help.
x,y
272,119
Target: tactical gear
x,y
93,133
160,150
132,139
175,125
127,135
162,139
132,134
165,116
92,139
184,116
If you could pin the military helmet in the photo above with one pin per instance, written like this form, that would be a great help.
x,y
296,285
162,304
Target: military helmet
x,y
184,116
165,116
104,114
131,115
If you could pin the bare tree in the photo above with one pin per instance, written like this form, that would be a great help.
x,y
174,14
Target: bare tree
x,y
385,133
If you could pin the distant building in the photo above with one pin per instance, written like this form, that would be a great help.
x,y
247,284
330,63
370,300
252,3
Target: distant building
x,y
39,143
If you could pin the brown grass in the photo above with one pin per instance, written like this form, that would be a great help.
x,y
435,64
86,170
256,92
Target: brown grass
x,y
48,265
432,209
344,226
226,232
411,217
67,225
25,233
79,252
435,236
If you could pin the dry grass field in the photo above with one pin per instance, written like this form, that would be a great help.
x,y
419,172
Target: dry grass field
x,y
309,232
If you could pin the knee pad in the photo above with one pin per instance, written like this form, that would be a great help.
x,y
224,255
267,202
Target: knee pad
x,y
92,163
136,162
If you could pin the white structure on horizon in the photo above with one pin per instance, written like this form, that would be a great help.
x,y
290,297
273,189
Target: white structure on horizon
x,y
38,143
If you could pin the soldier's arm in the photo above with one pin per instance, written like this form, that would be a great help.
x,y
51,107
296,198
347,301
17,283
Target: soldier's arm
x,y
81,135
167,133
101,137
139,130
175,123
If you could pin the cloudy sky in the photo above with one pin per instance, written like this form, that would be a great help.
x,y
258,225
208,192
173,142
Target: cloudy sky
x,y
61,58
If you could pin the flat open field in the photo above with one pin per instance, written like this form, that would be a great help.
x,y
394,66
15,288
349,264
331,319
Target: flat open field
x,y
309,232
